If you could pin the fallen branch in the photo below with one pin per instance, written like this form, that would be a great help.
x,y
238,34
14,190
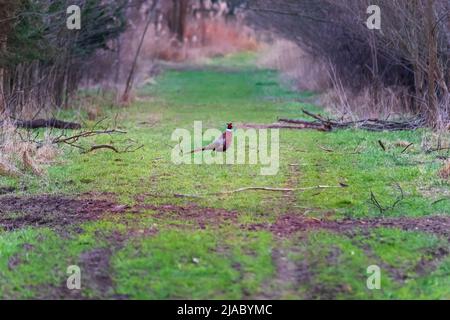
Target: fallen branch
x,y
382,145
437,149
101,146
367,124
407,147
128,149
73,141
297,126
270,189
326,149
277,189
42,123
440,200
86,134
383,209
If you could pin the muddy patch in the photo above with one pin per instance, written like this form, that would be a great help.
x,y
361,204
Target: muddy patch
x,y
96,280
432,262
290,224
97,271
52,211
59,211
15,260
7,190
199,216
289,276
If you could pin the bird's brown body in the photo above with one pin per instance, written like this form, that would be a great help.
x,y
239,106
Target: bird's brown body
x,y
222,143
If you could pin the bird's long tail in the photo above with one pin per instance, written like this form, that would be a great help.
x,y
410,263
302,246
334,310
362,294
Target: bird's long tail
x,y
197,150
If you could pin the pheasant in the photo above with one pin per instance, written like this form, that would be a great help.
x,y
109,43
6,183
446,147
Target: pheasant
x,y
222,143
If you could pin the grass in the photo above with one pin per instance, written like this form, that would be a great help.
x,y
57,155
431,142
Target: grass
x,y
42,258
199,266
226,261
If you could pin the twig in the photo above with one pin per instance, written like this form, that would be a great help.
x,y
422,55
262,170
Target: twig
x,y
366,124
101,146
438,149
326,149
128,149
440,200
407,147
376,203
43,123
270,189
73,141
86,134
399,198
382,209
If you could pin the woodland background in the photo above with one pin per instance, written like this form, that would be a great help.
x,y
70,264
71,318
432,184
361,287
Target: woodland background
x,y
402,69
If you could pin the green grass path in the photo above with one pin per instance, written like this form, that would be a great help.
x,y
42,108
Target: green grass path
x,y
146,257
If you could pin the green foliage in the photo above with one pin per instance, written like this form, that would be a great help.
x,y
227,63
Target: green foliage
x,y
39,30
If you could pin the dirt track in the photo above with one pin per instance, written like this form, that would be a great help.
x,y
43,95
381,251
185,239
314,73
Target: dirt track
x,y
58,211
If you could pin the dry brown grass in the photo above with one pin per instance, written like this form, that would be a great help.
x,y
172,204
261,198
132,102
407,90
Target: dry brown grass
x,y
309,73
443,117
384,103
438,140
444,172
296,66
19,155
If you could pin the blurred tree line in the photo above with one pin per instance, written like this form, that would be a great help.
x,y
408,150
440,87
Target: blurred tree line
x,y
411,50
43,63
41,60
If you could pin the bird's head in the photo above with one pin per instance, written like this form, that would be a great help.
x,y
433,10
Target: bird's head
x,y
229,126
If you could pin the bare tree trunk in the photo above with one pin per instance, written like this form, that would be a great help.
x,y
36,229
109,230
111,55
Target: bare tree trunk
x,y
130,79
417,59
177,21
3,40
182,21
432,62
117,63
203,22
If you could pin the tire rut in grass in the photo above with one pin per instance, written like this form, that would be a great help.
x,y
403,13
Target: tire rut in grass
x,y
96,273
289,275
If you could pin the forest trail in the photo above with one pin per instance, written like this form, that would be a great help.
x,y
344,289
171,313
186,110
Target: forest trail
x,y
123,212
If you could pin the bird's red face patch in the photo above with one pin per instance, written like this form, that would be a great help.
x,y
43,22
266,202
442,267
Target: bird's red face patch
x,y
229,126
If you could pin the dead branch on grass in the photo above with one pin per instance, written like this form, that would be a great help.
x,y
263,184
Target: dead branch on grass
x,y
73,141
85,134
383,209
127,149
407,147
296,126
321,123
45,123
269,189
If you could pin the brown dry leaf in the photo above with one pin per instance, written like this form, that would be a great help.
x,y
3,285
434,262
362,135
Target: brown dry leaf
x,y
402,144
444,173
46,154
8,170
93,112
31,165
